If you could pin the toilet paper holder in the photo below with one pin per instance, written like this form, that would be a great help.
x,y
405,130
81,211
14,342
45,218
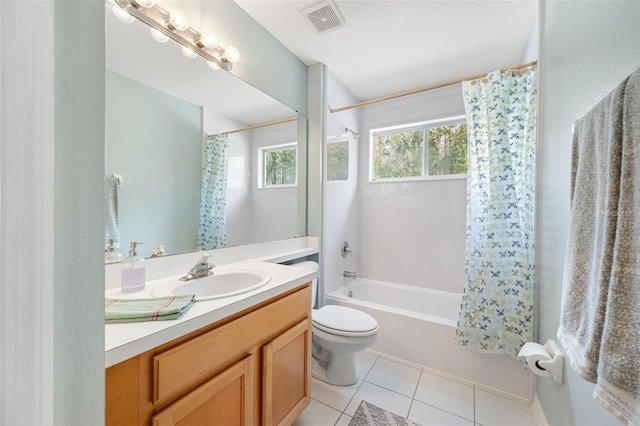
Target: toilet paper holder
x,y
546,360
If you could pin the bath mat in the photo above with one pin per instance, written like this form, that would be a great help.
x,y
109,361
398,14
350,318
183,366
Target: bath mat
x,y
368,414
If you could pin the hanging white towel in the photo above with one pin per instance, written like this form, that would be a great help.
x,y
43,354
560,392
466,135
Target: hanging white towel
x,y
600,320
111,218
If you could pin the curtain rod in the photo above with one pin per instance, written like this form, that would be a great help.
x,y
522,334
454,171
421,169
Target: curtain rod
x,y
424,89
257,126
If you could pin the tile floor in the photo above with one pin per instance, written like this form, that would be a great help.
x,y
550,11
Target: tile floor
x,y
411,391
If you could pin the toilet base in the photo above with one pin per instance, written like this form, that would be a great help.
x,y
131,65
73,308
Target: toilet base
x,y
339,371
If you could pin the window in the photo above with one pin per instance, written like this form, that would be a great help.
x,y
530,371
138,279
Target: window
x,y
399,152
279,166
337,160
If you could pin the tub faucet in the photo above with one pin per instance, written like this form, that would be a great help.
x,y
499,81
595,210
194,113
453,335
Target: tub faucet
x,y
349,274
201,269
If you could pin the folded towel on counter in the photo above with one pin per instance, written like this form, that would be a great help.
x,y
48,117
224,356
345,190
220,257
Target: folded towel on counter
x,y
151,309
600,320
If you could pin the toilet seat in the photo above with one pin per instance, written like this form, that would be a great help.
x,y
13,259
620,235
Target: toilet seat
x,y
343,321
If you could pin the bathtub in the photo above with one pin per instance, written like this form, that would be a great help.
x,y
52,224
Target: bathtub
x,y
418,325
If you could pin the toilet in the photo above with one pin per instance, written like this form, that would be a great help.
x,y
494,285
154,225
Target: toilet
x,y
338,332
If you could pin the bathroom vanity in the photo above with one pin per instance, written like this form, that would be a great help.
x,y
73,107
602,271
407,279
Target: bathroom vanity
x,y
241,361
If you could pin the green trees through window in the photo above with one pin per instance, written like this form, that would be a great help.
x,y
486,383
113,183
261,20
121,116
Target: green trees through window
x,y
338,160
401,153
280,166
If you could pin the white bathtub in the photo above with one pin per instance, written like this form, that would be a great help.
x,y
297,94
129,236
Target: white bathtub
x,y
418,325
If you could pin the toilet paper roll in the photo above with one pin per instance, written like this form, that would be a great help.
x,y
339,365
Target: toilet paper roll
x,y
534,352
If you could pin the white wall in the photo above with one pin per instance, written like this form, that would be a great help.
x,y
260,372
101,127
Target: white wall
x,y
411,232
587,49
273,210
341,218
27,126
239,190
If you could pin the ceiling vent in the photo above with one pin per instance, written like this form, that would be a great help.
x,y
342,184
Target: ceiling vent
x,y
324,17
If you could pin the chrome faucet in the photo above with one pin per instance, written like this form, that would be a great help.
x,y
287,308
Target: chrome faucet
x,y
349,274
201,269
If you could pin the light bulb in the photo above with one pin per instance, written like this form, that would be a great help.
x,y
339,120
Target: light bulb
x,y
206,40
158,36
122,14
178,20
232,54
188,52
144,3
213,65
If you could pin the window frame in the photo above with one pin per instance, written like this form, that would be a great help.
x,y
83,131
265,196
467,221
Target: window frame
x,y
424,126
262,163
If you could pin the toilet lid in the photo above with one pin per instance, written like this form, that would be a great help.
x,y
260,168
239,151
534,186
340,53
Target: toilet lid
x,y
345,321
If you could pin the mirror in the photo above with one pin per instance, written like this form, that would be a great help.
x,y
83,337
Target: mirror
x,y
160,105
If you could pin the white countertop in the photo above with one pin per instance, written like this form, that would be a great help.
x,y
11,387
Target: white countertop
x,y
125,340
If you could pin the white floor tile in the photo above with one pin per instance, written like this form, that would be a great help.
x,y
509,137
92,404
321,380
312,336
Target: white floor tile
x,y
394,376
334,396
317,414
364,362
383,398
427,415
446,394
495,410
343,420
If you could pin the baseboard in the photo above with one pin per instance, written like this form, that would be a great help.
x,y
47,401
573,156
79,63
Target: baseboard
x,y
538,412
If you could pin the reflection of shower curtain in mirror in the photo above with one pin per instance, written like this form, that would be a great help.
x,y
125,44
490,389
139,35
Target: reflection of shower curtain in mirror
x,y
212,232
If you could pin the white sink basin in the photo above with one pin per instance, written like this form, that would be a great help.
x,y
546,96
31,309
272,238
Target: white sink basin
x,y
225,283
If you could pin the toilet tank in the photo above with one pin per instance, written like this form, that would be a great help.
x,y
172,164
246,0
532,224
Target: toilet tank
x,y
309,264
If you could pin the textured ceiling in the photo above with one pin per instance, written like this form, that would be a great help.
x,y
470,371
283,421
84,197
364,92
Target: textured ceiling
x,y
389,46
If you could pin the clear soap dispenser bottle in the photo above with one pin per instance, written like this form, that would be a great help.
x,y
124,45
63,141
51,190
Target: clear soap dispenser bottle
x,y
133,270
110,254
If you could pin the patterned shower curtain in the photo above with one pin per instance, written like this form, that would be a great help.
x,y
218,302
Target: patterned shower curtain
x,y
497,305
212,232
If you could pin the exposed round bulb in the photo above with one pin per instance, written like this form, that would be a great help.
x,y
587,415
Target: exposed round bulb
x,y
122,14
213,65
207,40
232,54
188,52
178,20
158,36
145,3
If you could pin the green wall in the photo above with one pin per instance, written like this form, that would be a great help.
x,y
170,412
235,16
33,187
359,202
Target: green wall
x,y
154,140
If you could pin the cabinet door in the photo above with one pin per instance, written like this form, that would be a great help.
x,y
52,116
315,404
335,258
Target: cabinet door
x,y
226,399
286,365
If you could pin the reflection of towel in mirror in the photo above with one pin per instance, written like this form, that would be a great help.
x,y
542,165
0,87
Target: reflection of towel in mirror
x,y
111,219
600,320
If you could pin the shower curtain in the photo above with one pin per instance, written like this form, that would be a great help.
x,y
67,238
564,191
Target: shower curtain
x,y
212,232
497,305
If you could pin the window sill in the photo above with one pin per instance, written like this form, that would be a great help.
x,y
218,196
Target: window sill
x,y
420,179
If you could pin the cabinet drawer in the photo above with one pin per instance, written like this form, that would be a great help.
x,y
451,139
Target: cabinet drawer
x,y
226,399
189,364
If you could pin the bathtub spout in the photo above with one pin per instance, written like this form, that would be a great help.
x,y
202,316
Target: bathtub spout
x,y
349,274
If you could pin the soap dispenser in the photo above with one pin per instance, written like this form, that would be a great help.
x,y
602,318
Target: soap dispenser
x,y
133,270
110,254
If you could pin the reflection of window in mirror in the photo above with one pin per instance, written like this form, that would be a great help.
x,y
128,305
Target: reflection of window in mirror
x,y
279,166
338,160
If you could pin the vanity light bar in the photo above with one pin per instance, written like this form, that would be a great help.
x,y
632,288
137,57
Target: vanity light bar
x,y
158,18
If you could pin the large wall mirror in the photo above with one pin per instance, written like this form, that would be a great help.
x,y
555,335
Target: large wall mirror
x,y
160,108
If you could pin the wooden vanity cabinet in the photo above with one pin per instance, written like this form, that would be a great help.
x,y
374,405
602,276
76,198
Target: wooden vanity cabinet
x,y
253,368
